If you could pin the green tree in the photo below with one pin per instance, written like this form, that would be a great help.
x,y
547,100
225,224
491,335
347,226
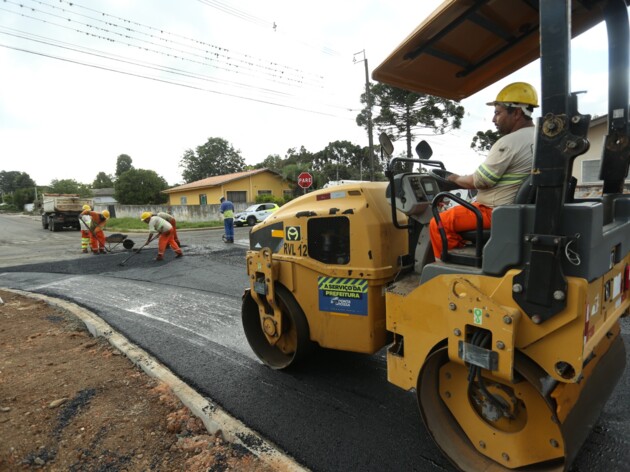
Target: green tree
x,y
10,181
140,187
215,157
340,160
300,157
22,196
103,180
295,162
69,186
7,181
273,162
483,140
123,164
405,114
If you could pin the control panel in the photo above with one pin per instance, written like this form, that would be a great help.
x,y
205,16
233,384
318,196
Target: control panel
x,y
414,194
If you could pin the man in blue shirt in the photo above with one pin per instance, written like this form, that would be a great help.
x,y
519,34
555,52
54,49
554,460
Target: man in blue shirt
x,y
227,210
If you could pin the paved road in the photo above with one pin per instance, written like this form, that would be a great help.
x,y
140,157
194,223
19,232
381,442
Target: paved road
x,y
337,414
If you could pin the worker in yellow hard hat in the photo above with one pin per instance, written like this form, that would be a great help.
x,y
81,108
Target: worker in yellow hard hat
x,y
171,219
159,226
98,220
498,178
84,225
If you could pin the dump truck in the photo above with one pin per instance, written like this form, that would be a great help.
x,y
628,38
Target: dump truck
x,y
62,210
512,346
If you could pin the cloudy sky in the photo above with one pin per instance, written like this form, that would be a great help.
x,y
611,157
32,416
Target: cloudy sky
x,y
85,81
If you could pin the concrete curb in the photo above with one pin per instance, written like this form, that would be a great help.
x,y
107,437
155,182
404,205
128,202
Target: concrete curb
x,y
213,417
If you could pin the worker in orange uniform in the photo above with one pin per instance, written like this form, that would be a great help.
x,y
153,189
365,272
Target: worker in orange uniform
x,y
84,224
172,221
499,177
158,225
96,227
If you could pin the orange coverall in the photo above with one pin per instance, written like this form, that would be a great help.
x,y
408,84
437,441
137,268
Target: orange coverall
x,y
97,236
455,220
167,235
173,222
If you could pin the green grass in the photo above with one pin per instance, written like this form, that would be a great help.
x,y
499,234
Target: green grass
x,y
129,224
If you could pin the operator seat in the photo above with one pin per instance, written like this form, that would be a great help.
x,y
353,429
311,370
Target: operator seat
x,y
526,195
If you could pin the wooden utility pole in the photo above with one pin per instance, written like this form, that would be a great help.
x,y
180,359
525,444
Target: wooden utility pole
x,y
369,111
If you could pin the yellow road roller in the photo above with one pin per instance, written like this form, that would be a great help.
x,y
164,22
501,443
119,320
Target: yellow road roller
x,y
512,344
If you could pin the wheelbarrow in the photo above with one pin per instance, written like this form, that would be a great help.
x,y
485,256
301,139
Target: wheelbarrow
x,y
115,239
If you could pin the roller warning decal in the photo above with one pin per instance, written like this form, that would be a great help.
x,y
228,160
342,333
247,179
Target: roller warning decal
x,y
340,295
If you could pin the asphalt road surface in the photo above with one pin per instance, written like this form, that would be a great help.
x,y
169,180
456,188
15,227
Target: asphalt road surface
x,y
338,413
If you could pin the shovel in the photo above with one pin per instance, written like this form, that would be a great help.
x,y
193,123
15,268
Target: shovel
x,y
135,252
94,235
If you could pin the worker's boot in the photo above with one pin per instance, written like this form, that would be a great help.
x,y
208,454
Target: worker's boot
x,y
179,254
84,251
160,257
103,251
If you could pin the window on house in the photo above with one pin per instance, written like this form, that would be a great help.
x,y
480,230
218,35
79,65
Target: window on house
x,y
183,201
203,199
590,171
237,197
264,192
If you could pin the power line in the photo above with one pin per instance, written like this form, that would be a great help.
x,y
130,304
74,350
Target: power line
x,y
171,82
144,64
233,64
237,13
264,23
231,68
107,56
96,53
161,32
157,67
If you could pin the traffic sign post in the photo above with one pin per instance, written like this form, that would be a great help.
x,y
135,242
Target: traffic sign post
x,y
305,180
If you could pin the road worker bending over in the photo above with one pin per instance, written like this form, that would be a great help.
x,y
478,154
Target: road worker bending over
x,y
171,220
162,227
96,227
84,223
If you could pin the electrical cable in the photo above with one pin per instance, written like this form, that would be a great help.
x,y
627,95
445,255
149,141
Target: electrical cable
x,y
180,71
264,23
161,32
230,64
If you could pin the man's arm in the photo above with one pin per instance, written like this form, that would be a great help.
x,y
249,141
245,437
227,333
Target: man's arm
x,y
152,229
462,181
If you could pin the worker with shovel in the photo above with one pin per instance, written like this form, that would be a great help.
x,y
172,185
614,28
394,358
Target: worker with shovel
x,y
158,225
172,221
96,227
84,223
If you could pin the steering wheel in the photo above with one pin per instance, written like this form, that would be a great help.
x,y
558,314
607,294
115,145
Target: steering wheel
x,y
441,175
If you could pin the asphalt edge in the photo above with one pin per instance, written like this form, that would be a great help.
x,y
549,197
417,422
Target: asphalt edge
x,y
213,417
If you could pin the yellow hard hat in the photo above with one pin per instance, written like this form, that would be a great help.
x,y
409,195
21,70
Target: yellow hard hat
x,y
517,93
145,215
86,207
105,213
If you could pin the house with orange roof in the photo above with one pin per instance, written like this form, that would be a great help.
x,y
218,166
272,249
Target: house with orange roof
x,y
240,187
